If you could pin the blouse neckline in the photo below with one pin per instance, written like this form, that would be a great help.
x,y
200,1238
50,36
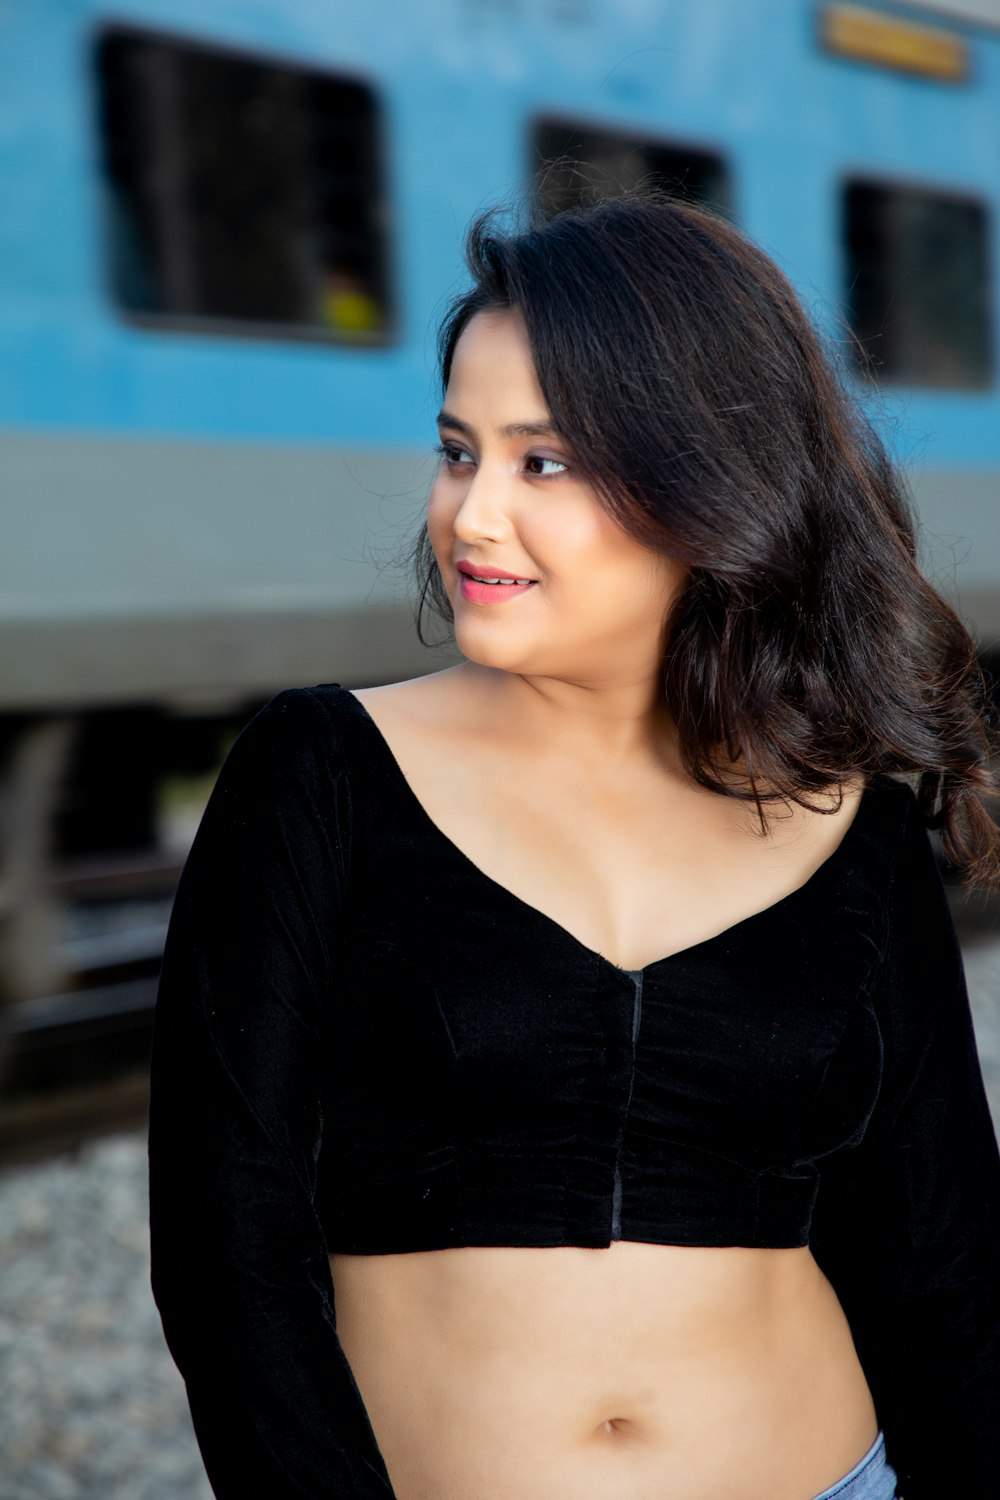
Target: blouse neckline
x,y
855,831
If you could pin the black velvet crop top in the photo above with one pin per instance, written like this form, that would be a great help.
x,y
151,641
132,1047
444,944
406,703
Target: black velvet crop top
x,y
365,1044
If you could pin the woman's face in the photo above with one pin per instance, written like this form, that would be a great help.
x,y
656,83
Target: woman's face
x,y
589,603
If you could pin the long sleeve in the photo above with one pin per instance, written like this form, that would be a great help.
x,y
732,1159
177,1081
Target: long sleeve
x,y
239,1262
907,1224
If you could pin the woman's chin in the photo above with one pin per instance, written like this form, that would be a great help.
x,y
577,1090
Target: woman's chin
x,y
486,647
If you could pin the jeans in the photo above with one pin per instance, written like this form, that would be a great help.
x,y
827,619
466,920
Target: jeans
x,y
872,1478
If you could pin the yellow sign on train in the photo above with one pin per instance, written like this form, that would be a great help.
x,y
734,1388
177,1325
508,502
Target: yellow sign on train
x,y
872,36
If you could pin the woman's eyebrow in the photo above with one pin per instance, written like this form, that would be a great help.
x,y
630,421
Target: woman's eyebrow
x,y
513,429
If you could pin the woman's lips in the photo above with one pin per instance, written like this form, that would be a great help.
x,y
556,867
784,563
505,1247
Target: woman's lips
x,y
490,593
502,585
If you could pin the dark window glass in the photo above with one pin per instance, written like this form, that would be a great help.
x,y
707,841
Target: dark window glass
x,y
918,285
582,163
241,191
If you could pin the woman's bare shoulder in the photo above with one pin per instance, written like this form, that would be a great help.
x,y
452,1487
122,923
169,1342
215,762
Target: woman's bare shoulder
x,y
435,702
813,832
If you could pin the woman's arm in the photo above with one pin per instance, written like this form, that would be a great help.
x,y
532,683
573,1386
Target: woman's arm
x,y
239,1262
907,1225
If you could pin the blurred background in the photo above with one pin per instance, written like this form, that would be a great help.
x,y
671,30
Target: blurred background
x,y
229,228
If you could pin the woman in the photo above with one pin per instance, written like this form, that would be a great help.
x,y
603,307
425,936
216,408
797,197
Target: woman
x,y
563,1080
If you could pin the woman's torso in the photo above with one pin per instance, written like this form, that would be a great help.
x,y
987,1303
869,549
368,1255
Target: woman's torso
x,y
635,1372
641,1370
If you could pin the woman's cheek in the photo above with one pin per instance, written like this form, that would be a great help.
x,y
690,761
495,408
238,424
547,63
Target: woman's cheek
x,y
440,516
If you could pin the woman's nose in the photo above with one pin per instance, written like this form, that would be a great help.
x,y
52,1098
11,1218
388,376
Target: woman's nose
x,y
484,511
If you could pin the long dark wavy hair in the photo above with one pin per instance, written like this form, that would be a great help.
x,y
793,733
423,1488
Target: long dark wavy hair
x,y
695,397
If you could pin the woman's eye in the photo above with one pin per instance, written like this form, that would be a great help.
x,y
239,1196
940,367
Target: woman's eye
x,y
455,456
536,458
453,453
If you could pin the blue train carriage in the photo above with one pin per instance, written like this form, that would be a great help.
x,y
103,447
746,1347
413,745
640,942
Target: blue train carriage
x,y
228,232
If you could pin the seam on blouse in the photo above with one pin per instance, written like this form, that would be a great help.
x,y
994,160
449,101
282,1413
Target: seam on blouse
x,y
785,1152
257,1117
456,1147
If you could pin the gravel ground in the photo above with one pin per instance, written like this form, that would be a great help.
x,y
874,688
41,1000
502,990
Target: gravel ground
x,y
91,1406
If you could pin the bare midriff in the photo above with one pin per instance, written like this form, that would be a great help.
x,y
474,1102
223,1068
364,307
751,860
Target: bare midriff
x,y
635,1372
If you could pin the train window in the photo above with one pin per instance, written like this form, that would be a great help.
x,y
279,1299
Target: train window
x,y
241,191
918,284
577,163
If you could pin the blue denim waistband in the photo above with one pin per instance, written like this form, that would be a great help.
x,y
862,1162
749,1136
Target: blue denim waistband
x,y
872,1478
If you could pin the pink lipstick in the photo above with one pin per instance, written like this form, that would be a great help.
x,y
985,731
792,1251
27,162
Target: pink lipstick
x,y
477,587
